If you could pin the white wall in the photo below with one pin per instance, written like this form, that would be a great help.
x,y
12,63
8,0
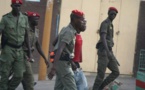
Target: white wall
x,y
4,8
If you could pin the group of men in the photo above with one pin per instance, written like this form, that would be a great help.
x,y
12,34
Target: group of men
x,y
20,37
65,47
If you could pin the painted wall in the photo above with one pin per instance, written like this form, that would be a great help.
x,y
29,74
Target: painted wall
x,y
4,8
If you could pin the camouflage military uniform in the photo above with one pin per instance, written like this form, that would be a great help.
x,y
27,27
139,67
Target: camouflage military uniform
x,y
64,74
103,60
12,55
28,79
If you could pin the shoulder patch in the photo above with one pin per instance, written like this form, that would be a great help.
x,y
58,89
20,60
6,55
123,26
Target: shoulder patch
x,y
24,14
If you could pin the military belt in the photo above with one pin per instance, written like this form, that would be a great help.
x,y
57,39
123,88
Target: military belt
x,y
65,57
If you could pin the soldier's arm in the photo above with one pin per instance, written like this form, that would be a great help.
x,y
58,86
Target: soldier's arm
x,y
39,49
103,34
103,38
67,37
1,31
27,40
59,52
65,40
56,58
2,25
28,44
55,41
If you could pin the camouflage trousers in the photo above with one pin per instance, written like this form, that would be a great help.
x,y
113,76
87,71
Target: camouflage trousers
x,y
103,63
11,59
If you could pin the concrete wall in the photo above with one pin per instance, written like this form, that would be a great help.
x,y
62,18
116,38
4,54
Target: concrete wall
x,y
125,25
5,7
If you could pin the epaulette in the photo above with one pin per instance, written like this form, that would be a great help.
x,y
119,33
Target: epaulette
x,y
5,15
24,13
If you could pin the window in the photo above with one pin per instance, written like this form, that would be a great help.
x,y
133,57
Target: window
x,y
33,0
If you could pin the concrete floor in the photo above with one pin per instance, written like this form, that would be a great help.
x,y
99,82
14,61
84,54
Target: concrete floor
x,y
128,82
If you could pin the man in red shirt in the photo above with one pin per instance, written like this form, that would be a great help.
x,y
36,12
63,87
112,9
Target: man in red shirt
x,y
80,78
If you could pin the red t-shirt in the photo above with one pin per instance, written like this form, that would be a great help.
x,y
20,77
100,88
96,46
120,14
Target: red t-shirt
x,y
78,49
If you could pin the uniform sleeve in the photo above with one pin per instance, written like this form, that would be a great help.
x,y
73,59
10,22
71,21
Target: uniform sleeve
x,y
2,23
104,27
67,37
27,23
37,33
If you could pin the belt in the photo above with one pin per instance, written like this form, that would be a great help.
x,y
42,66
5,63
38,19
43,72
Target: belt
x,y
65,57
32,49
13,46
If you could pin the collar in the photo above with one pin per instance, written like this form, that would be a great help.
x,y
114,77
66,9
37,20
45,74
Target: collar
x,y
72,28
11,15
109,21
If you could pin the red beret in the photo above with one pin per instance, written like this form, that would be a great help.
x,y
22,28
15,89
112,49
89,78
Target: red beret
x,y
113,8
16,1
32,14
78,13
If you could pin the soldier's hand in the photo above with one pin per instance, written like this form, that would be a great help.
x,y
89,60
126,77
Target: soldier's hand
x,y
51,73
30,58
47,63
74,67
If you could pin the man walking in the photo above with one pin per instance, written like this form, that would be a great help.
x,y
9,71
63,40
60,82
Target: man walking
x,y
33,32
106,59
80,78
63,50
13,27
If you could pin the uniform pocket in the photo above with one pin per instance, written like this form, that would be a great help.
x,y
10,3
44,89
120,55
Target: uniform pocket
x,y
11,26
10,29
23,25
3,67
6,55
22,29
102,57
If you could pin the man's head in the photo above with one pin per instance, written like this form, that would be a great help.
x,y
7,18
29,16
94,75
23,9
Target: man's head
x,y
16,4
78,20
33,18
112,12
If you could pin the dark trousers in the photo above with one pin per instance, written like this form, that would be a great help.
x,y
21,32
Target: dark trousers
x,y
103,63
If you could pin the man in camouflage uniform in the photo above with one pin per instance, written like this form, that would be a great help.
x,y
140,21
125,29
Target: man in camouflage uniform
x,y
63,49
106,59
28,80
13,27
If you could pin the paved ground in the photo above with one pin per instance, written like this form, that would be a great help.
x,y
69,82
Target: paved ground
x,y
128,82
